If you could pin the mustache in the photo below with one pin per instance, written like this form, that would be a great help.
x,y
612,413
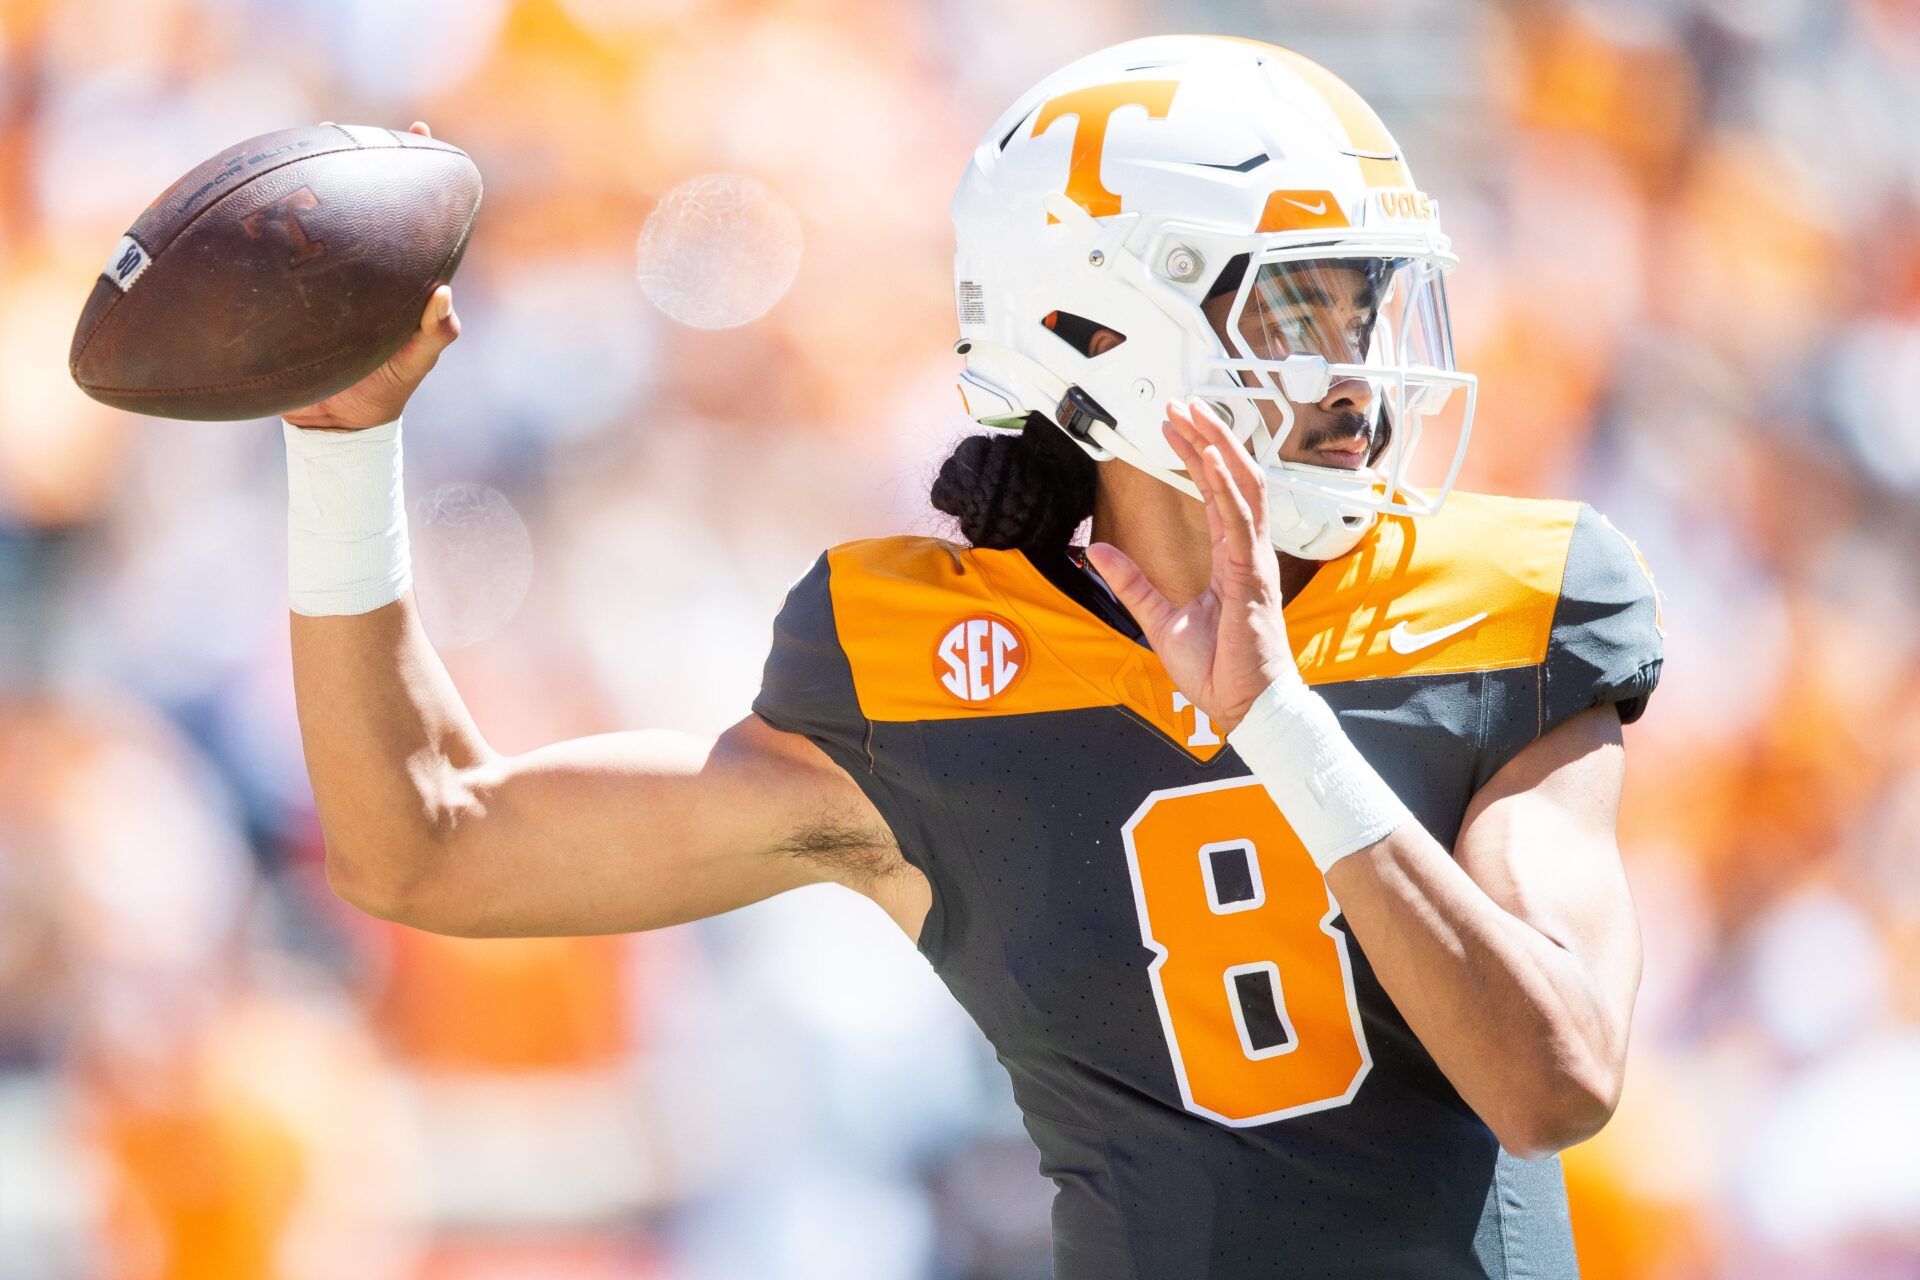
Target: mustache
x,y
1339,429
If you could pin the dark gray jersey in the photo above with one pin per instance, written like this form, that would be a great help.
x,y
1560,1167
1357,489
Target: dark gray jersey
x,y
1215,1079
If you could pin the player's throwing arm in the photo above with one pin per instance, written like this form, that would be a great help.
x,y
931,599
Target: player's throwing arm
x,y
286,275
428,825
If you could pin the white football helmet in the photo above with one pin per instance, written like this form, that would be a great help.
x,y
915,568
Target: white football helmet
x,y
1119,190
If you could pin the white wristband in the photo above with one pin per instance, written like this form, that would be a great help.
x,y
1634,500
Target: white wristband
x,y
346,520
1331,797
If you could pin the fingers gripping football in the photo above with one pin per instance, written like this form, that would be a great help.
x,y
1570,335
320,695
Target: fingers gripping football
x,y
380,397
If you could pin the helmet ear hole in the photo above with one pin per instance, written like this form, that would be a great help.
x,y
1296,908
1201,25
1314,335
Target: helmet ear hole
x,y
1088,337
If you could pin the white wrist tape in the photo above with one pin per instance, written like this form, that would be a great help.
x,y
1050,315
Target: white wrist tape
x,y
346,520
1331,797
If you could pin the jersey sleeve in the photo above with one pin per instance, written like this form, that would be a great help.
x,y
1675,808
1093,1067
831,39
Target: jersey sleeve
x,y
807,685
1606,642
808,688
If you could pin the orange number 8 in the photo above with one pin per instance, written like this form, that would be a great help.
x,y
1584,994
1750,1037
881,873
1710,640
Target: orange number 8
x,y
1255,991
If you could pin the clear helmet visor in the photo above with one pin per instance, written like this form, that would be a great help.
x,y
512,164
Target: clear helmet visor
x,y
1334,347
1360,310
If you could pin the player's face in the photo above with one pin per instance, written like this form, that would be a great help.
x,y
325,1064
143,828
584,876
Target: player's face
x,y
1317,308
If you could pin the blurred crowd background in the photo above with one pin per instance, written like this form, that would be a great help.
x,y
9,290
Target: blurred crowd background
x,y
1690,232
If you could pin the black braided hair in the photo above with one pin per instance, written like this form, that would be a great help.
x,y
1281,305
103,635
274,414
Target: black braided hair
x,y
1028,490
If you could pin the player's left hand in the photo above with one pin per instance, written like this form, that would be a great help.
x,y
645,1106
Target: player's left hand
x,y
1226,645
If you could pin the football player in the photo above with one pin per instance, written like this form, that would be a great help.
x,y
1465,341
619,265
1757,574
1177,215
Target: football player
x,y
1270,839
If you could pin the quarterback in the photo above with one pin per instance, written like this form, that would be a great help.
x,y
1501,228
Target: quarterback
x,y
1269,838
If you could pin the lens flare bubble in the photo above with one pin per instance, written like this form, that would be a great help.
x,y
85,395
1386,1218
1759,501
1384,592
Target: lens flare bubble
x,y
719,251
472,563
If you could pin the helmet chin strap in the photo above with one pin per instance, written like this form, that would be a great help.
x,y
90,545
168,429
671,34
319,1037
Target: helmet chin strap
x,y
1317,526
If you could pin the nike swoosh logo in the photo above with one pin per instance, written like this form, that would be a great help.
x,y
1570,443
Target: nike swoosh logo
x,y
1401,640
1316,209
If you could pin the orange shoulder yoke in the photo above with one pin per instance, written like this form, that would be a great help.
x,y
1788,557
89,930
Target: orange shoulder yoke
x,y
931,634
1471,588
936,631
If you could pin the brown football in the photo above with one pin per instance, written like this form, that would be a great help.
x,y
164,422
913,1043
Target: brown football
x,y
277,273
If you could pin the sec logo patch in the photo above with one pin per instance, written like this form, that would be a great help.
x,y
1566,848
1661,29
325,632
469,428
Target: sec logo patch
x,y
980,658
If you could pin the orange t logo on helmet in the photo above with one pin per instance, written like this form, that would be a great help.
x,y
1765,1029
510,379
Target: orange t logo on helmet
x,y
1091,108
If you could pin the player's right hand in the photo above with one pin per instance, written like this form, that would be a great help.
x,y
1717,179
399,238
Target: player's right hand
x,y
1227,644
379,397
